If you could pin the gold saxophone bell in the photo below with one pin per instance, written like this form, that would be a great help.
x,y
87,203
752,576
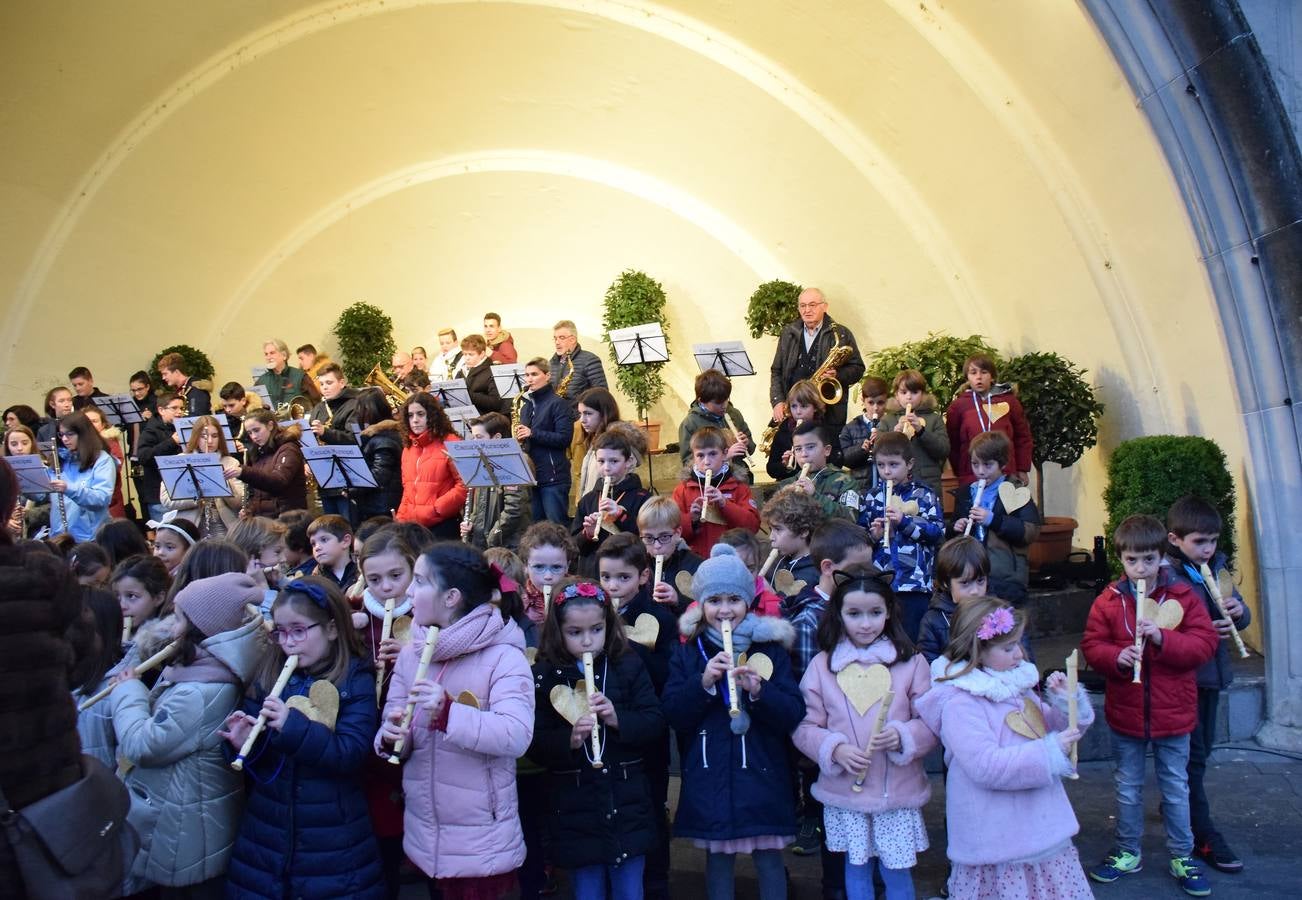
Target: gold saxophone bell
x,y
396,396
563,388
829,388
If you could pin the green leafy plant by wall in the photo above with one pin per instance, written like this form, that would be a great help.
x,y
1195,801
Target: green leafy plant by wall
x,y
938,356
771,307
635,298
198,365
1061,409
365,337
1147,474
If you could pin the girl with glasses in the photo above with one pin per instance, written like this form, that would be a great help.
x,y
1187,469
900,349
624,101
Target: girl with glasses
x,y
306,828
86,482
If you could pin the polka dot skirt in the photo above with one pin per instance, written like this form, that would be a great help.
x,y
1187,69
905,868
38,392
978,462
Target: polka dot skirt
x,y
1059,877
896,836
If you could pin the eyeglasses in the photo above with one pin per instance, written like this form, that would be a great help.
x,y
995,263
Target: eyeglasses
x,y
811,305
296,633
67,434
667,537
547,570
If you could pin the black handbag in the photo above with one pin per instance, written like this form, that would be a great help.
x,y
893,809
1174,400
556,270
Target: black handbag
x,y
74,843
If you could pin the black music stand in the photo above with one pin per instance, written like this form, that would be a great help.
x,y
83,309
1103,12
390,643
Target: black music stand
x,y
494,463
339,466
194,476
307,438
120,409
31,472
460,417
450,393
639,345
262,392
509,379
728,357
184,426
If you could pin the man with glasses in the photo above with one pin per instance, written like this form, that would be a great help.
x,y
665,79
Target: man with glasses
x,y
802,347
157,438
588,370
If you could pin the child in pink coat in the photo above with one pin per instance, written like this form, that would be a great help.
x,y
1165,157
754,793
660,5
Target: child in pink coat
x,y
462,824
873,790
1010,822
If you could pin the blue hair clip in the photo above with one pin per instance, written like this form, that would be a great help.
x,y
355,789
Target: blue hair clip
x,y
314,591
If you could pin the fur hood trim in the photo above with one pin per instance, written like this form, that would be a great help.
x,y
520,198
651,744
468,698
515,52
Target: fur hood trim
x,y
996,686
768,629
382,426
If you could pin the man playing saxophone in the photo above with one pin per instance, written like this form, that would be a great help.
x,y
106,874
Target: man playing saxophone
x,y
817,349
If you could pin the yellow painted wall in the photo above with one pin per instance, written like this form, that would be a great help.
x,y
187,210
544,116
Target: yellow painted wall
x,y
219,172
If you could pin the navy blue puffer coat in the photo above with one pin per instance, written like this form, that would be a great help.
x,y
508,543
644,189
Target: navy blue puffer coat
x,y
306,832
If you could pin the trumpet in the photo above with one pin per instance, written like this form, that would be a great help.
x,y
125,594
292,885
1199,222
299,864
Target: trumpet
x,y
829,388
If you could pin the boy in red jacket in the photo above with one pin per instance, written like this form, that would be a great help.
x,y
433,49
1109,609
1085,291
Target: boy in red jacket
x,y
987,406
726,503
1161,708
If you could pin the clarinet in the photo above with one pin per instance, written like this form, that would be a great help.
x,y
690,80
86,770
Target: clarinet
x,y
58,474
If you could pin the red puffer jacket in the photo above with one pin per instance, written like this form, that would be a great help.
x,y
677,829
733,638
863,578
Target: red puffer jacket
x,y
1165,702
432,491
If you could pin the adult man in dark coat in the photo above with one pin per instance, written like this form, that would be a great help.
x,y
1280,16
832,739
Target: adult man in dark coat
x,y
802,347
198,402
588,370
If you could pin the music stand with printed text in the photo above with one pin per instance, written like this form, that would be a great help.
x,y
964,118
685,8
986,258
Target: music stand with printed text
x,y
339,466
728,357
495,463
450,393
639,345
262,392
184,426
308,437
460,417
357,432
194,476
31,472
509,379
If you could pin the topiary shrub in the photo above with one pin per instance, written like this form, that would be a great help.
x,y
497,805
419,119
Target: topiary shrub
x,y
198,365
365,336
1147,474
771,307
636,298
938,356
1061,409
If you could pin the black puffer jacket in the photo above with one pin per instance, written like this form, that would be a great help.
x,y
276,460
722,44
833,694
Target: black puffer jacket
x,y
598,816
382,450
792,363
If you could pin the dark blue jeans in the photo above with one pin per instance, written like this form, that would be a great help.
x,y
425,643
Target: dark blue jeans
x,y
552,501
625,881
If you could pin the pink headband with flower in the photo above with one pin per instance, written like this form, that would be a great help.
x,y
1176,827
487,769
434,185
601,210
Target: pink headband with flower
x,y
999,622
581,589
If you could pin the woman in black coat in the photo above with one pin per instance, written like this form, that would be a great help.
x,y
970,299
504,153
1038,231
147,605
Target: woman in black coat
x,y
382,450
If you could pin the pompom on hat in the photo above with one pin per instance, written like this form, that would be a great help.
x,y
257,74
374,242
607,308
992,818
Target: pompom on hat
x,y
217,604
723,573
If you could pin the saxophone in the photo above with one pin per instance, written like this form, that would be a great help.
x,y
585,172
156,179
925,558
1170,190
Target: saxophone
x,y
564,386
829,388
517,404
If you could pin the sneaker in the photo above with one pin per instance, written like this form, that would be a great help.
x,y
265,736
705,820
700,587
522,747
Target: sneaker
x,y
810,838
1186,871
1116,864
1219,855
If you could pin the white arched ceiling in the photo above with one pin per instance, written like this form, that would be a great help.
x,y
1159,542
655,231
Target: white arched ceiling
x,y
236,170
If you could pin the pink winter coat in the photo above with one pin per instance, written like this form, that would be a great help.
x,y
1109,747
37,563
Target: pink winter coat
x,y
1001,785
462,818
896,780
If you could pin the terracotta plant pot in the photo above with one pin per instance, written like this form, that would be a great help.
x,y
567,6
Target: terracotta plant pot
x,y
652,432
1054,543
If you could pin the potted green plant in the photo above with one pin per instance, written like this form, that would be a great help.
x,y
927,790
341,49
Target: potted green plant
x,y
939,357
771,307
635,298
365,337
1147,474
198,366
1063,413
